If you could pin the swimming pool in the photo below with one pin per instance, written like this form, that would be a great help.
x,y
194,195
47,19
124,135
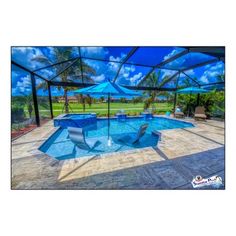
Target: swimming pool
x,y
60,147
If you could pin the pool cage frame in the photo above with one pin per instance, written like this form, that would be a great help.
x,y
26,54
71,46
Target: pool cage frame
x,y
217,52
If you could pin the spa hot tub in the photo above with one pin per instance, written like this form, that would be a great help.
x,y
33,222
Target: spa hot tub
x,y
75,120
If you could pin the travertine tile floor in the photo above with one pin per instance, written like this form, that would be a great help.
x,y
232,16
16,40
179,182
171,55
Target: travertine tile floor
x,y
181,155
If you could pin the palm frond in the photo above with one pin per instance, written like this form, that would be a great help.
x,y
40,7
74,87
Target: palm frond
x,y
43,86
42,59
220,77
88,69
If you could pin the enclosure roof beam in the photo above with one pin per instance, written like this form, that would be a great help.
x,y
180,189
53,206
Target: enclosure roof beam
x,y
177,81
130,54
212,51
26,69
55,64
94,59
218,52
171,78
201,64
192,78
76,84
64,69
81,66
160,65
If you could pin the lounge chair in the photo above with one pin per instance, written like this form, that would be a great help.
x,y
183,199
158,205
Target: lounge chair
x,y
200,113
77,136
178,113
134,139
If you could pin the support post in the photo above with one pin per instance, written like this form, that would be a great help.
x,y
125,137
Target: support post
x,y
109,141
50,99
198,99
175,99
34,94
83,101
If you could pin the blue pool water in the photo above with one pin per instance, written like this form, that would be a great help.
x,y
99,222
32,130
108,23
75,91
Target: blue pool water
x,y
60,147
78,116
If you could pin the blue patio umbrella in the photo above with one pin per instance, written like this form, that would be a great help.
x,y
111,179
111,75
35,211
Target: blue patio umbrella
x,y
217,87
192,90
108,89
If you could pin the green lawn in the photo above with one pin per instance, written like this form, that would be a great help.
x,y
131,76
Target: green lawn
x,y
101,108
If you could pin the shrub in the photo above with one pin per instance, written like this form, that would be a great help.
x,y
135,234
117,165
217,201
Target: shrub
x,y
17,126
17,113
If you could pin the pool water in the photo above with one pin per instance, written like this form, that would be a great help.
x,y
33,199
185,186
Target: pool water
x,y
78,116
60,147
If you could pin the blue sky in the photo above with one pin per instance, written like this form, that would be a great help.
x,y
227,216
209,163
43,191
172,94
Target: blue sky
x,y
129,74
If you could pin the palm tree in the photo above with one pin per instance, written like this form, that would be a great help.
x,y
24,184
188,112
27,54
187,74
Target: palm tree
x,y
81,99
187,101
220,77
28,101
69,75
154,81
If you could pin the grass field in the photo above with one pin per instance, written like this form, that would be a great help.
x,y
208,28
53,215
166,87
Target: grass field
x,y
101,108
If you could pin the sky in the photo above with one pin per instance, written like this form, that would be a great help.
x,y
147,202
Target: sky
x,y
129,74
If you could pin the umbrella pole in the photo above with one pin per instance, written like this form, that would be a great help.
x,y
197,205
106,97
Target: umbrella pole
x,y
109,142
189,105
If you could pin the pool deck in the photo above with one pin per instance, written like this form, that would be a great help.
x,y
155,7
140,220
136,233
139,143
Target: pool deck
x,y
181,155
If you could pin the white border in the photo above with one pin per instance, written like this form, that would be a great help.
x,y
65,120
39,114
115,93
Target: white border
x,y
117,23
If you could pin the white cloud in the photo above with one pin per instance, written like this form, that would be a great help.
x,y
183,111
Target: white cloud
x,y
204,79
47,73
136,78
126,75
99,52
99,78
125,72
24,56
190,72
112,58
22,86
179,61
25,82
207,66
111,68
171,54
15,75
129,68
217,66
167,73
211,72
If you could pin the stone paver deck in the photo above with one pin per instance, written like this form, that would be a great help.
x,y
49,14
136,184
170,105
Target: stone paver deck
x,y
181,155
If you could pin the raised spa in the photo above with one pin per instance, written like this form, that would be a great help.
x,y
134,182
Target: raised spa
x,y
75,120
